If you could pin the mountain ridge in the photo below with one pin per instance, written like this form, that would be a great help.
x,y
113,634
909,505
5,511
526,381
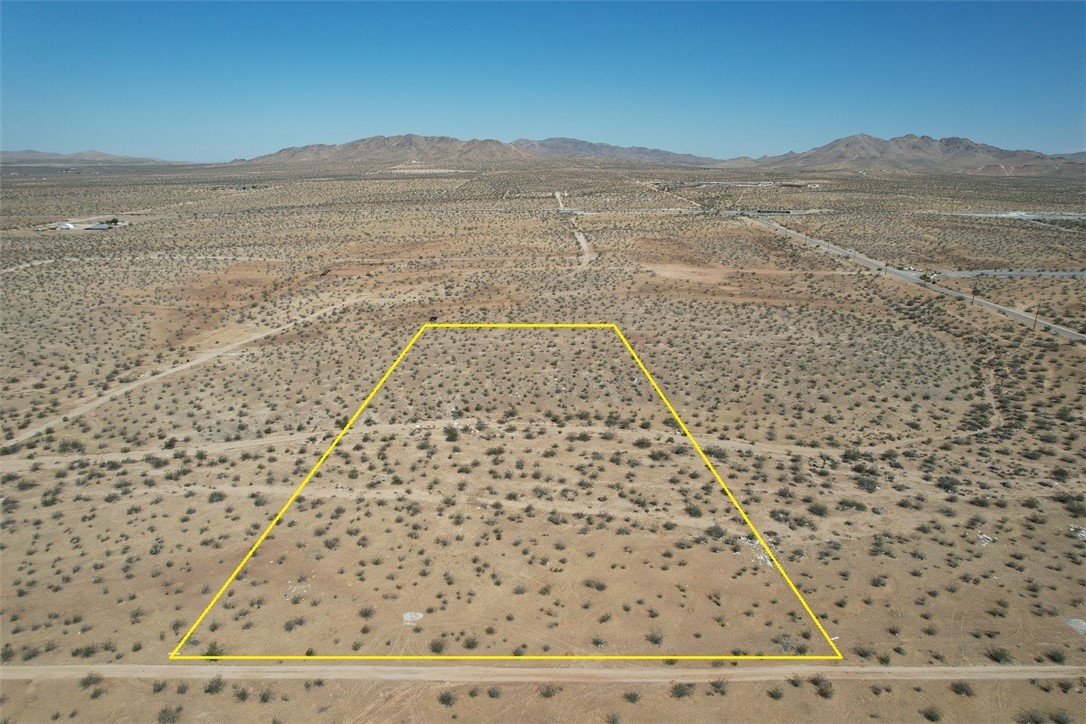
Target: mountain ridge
x,y
45,158
587,149
912,153
858,152
397,149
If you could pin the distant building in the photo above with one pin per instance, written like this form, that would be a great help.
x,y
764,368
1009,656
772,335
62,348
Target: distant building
x,y
107,225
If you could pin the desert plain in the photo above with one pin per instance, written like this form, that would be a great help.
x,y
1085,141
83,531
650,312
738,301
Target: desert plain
x,y
911,459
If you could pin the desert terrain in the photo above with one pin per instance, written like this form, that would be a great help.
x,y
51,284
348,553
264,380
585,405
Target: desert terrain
x,y
913,460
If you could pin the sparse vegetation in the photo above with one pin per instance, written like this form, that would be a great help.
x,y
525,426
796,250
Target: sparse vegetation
x,y
909,459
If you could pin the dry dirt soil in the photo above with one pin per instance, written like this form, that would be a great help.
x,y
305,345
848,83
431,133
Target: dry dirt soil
x,y
913,462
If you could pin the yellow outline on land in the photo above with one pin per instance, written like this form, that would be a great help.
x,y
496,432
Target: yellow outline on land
x,y
836,656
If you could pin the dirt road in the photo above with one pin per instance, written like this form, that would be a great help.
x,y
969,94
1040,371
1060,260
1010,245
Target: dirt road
x,y
136,257
915,278
147,379
15,465
1012,274
461,672
588,253
20,267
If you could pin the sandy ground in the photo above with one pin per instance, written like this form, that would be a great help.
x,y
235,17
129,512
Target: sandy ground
x,y
912,461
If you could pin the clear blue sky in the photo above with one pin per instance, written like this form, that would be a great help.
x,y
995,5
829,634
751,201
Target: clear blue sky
x,y
212,82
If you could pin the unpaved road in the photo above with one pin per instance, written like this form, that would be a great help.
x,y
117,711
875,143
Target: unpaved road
x,y
588,253
27,265
135,257
469,672
194,362
914,277
1012,273
15,465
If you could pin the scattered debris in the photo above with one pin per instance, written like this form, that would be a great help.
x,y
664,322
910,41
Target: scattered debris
x,y
759,552
1077,624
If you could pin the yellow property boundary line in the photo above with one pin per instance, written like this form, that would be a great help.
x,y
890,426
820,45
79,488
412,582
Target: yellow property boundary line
x,y
175,655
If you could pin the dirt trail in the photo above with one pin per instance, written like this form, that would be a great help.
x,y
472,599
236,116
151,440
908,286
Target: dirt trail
x,y
653,187
513,673
180,367
12,465
27,265
916,277
134,257
588,252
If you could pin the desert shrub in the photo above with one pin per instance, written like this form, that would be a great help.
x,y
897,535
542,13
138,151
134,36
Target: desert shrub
x,y
822,686
1033,716
169,714
214,686
1056,656
90,680
681,691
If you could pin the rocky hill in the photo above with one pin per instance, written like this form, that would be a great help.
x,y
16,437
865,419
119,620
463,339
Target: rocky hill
x,y
82,158
909,153
399,149
572,147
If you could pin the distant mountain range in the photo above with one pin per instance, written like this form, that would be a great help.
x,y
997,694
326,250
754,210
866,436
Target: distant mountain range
x,y
40,158
853,153
399,149
910,153
584,149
